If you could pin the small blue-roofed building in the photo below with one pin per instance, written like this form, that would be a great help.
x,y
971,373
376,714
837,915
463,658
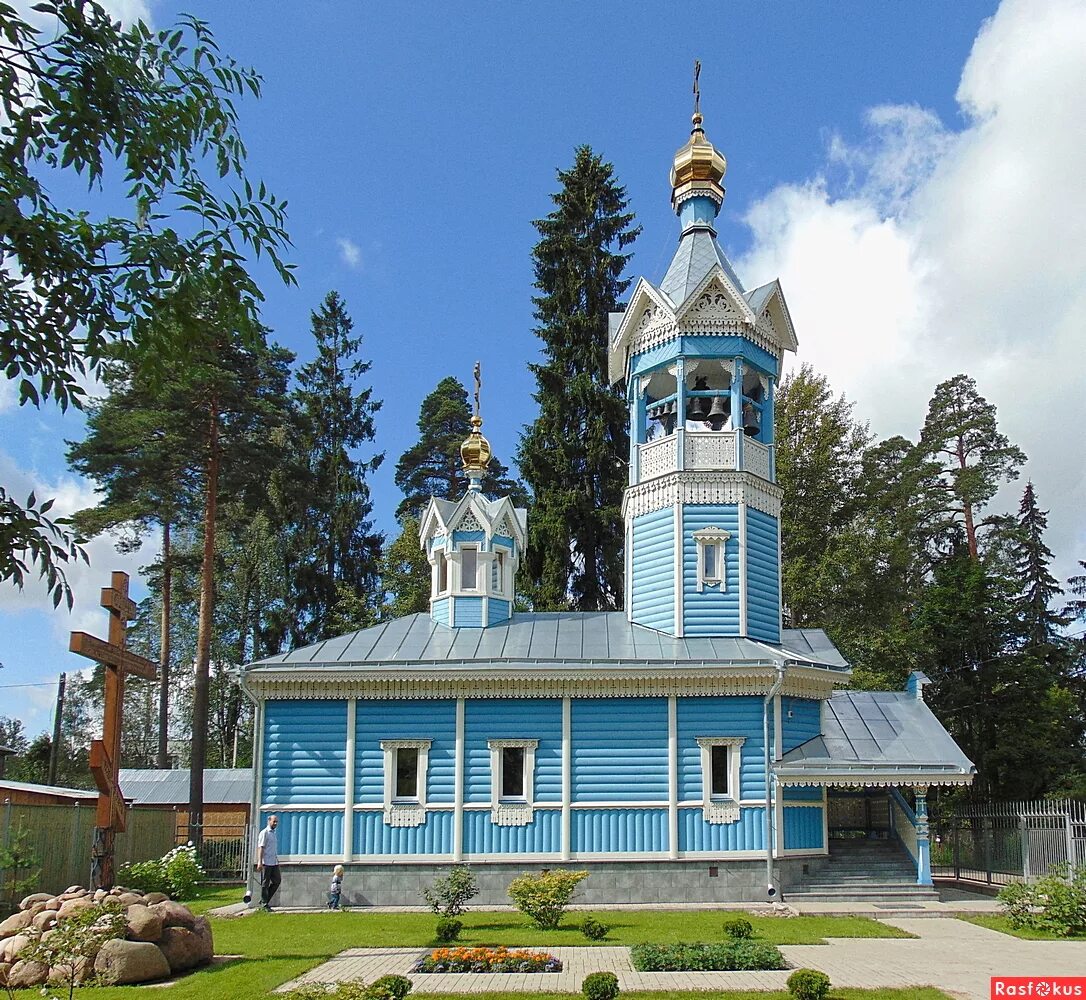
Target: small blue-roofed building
x,y
688,748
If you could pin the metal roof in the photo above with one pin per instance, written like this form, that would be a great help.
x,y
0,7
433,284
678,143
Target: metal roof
x,y
23,786
877,733
697,254
222,785
550,637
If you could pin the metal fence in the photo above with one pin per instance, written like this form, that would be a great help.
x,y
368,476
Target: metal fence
x,y
57,841
1001,842
224,852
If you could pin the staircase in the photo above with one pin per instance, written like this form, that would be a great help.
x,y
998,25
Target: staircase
x,y
867,871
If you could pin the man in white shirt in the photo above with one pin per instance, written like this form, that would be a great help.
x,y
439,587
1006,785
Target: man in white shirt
x,y
267,862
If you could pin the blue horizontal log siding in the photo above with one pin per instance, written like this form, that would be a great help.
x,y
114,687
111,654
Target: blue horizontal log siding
x,y
715,611
404,720
440,611
746,834
519,719
722,716
469,612
611,831
303,833
800,793
502,540
763,577
373,836
801,720
542,836
499,610
619,749
705,346
803,828
467,536
305,752
653,590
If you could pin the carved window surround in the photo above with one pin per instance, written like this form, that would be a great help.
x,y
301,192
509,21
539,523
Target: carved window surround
x,y
717,539
405,811
715,808
516,811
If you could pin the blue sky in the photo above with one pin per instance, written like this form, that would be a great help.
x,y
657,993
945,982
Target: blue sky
x,y
415,147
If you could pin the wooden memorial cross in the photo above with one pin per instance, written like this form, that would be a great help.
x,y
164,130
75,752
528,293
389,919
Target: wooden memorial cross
x,y
105,754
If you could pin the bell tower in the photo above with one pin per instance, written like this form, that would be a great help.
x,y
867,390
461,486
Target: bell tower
x,y
700,357
474,545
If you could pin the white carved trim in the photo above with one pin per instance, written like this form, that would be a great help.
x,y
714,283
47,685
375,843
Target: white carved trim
x,y
405,814
699,192
756,458
873,780
720,487
468,522
720,810
704,537
503,744
399,812
512,812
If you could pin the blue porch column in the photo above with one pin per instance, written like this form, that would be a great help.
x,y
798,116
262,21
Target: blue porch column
x,y
923,851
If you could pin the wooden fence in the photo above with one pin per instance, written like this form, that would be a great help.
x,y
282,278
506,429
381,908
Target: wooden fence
x,y
59,841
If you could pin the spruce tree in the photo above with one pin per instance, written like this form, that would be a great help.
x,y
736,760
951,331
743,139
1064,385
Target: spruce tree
x,y
432,467
337,546
573,457
1031,557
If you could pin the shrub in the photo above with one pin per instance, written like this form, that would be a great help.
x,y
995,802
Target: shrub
x,y
544,897
809,984
728,956
594,930
600,986
1055,903
447,929
146,876
389,988
176,873
448,896
738,928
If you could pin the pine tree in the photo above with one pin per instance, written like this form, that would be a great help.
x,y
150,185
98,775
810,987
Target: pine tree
x,y
406,575
432,467
1031,557
961,434
573,457
337,545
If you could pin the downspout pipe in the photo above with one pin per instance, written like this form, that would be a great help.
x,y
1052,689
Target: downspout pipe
x,y
775,689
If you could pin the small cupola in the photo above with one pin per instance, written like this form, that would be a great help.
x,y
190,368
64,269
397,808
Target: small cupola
x,y
474,545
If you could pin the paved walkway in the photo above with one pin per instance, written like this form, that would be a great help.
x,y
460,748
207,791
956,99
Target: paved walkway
x,y
954,955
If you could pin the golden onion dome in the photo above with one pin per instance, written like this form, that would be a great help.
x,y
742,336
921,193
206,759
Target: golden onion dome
x,y
699,166
476,452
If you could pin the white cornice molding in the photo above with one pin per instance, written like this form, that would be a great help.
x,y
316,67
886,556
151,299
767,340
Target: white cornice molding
x,y
709,487
874,778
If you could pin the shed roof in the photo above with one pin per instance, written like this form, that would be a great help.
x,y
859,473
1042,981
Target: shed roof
x,y
550,637
222,785
57,790
876,735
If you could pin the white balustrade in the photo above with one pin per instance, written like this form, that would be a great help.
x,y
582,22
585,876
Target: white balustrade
x,y
710,450
657,458
756,457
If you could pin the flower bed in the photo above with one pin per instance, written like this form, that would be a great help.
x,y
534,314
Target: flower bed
x,y
727,957
487,960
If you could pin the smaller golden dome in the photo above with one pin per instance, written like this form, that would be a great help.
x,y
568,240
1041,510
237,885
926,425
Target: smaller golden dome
x,y
476,452
698,166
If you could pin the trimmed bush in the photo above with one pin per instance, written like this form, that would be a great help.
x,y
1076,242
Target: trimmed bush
x,y
594,930
729,956
448,929
448,896
544,897
1055,903
809,984
389,988
738,928
600,986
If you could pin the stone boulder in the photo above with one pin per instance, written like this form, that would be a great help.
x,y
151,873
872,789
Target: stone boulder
x,y
124,962
62,974
144,924
44,920
10,947
184,949
24,975
151,898
203,929
4,966
70,907
37,897
128,898
174,914
15,923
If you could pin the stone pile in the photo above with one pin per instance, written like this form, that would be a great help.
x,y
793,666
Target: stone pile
x,y
161,937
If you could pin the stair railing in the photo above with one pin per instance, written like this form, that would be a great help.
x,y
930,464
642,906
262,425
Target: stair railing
x,y
903,821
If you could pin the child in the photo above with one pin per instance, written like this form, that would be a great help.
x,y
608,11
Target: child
x,y
335,888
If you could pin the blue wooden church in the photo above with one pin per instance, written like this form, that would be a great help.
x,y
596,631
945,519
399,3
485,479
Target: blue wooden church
x,y
689,748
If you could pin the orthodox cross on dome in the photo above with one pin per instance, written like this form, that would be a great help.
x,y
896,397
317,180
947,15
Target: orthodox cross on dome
x,y
478,373
475,452
697,87
105,754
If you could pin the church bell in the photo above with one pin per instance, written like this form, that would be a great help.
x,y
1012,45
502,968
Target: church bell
x,y
751,420
718,414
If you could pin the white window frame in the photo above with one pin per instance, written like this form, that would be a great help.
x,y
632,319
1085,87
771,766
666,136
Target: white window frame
x,y
440,557
412,811
703,538
479,566
719,809
516,811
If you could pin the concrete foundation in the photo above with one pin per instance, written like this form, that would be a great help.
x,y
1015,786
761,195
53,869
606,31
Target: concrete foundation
x,y
610,882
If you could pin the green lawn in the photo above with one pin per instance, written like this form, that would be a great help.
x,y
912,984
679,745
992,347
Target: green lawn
x,y
997,922
278,947
208,897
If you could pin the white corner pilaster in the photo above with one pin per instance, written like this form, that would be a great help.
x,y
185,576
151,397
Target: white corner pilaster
x,y
348,781
679,568
567,777
673,776
742,568
778,728
458,785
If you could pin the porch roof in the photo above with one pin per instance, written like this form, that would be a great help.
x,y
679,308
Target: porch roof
x,y
877,738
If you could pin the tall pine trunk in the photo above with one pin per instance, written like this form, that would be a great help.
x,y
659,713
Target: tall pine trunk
x,y
163,760
201,692
967,509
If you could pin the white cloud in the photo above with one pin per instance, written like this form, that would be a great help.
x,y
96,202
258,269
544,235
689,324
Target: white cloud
x,y
86,581
944,251
349,252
